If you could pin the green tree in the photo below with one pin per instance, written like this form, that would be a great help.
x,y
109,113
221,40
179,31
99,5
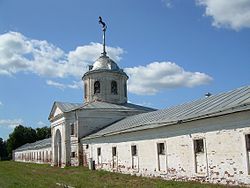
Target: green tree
x,y
20,136
42,133
3,150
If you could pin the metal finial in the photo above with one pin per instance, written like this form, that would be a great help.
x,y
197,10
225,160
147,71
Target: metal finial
x,y
208,94
104,28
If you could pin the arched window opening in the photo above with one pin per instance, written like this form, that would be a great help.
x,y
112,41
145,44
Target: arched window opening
x,y
114,87
85,90
125,90
97,87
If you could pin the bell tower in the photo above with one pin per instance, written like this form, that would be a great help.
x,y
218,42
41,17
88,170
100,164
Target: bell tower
x,y
105,81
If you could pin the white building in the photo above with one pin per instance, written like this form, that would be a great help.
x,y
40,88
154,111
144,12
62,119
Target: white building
x,y
206,140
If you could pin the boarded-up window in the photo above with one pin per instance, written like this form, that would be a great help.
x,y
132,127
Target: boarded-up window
x,y
98,151
161,148
134,150
199,146
114,151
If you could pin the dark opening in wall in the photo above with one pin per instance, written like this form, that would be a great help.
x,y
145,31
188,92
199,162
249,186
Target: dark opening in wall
x,y
98,151
114,153
161,148
134,150
97,88
199,146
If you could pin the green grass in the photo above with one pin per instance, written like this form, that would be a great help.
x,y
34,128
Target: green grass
x,y
14,174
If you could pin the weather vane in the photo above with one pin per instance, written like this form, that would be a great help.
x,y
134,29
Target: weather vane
x,y
104,28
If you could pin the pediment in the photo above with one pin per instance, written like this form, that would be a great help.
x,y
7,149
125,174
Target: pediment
x,y
55,111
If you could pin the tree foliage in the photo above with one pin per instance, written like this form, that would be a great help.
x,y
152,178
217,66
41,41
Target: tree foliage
x,y
22,135
3,149
43,133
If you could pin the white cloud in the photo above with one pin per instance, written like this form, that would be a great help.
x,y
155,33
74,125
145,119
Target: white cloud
x,y
74,85
21,54
233,14
10,123
41,124
167,3
150,79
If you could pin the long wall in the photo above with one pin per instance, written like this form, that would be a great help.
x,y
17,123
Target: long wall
x,y
212,150
34,156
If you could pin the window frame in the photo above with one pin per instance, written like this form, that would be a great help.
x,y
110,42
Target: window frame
x,y
97,87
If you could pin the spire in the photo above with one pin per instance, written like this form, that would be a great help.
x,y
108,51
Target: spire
x,y
104,27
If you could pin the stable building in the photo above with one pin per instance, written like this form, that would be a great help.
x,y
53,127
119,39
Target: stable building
x,y
206,140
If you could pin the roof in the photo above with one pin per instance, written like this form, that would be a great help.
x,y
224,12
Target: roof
x,y
45,143
64,107
223,103
106,105
104,62
95,105
67,107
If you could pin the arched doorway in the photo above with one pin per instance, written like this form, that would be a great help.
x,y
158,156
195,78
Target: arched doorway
x,y
58,149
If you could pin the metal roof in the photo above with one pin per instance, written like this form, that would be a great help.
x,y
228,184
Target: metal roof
x,y
66,107
95,105
105,105
45,143
235,100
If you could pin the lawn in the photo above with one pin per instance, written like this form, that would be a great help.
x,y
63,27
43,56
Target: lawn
x,y
14,174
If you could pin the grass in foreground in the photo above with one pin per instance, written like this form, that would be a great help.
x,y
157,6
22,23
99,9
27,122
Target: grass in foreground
x,y
14,174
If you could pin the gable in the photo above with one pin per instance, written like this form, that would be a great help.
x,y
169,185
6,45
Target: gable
x,y
62,107
57,112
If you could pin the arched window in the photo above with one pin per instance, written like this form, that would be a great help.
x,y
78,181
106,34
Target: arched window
x,y
85,90
125,90
97,87
114,87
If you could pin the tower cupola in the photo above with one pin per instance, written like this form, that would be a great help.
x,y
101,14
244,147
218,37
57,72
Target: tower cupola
x,y
105,81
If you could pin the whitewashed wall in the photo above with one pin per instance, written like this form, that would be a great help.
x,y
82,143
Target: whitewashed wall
x,y
34,156
224,159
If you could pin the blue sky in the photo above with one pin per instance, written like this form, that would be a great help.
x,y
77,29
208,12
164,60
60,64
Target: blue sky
x,y
174,51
